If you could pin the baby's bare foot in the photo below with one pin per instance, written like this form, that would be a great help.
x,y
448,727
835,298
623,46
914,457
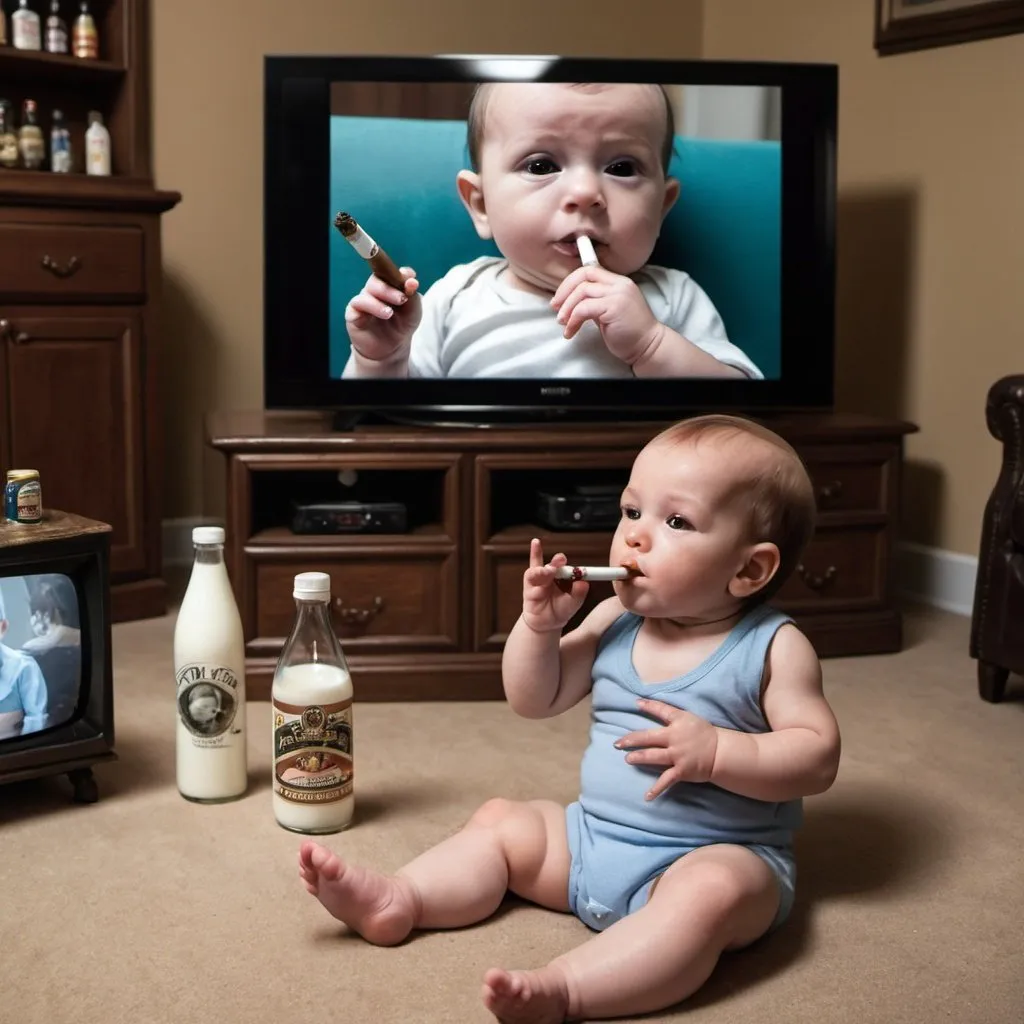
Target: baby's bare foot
x,y
514,997
380,908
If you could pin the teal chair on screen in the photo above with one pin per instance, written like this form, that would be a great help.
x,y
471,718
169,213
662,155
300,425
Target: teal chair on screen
x,y
397,178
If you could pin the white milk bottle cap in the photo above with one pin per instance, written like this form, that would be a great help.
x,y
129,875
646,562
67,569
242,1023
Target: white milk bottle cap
x,y
208,535
312,586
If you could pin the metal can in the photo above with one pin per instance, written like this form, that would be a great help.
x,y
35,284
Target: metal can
x,y
23,496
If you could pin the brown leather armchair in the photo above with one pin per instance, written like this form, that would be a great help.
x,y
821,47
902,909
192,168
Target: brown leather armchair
x,y
997,626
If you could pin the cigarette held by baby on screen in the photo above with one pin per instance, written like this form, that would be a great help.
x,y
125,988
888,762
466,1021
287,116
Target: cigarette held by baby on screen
x,y
588,257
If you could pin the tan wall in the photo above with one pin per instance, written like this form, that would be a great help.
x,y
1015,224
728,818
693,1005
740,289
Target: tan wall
x,y
931,235
931,219
208,141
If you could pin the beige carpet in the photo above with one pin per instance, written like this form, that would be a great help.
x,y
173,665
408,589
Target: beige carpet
x,y
145,908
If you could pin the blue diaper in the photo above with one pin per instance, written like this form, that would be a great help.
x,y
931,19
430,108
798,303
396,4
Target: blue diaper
x,y
613,866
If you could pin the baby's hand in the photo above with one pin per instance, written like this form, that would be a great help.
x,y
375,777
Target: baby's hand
x,y
615,303
381,319
687,745
548,604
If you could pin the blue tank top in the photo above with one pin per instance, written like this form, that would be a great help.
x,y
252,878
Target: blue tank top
x,y
725,691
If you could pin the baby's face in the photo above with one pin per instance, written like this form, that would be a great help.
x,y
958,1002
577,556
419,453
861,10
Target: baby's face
x,y
558,160
204,709
41,622
684,523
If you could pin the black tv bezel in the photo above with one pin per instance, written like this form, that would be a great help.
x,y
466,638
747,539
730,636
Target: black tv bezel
x,y
296,238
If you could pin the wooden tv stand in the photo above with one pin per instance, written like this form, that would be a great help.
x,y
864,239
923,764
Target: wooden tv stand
x,y
422,615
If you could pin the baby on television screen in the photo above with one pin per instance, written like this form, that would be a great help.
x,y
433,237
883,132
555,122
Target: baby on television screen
x,y
555,230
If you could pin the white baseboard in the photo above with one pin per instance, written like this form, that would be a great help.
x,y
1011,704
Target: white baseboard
x,y
177,538
932,576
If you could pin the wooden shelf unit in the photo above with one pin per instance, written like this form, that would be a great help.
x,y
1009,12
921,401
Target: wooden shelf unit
x,y
80,281
423,615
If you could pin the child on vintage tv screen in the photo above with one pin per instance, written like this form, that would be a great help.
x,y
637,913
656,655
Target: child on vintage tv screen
x,y
40,656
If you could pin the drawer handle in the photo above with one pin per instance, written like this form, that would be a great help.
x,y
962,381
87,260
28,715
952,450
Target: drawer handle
x,y
813,580
19,338
50,264
357,616
829,491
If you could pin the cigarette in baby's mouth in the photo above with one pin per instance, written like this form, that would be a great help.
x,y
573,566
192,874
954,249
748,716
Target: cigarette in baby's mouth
x,y
381,263
586,247
597,573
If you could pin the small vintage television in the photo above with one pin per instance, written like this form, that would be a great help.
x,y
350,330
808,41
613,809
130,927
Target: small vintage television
x,y
56,682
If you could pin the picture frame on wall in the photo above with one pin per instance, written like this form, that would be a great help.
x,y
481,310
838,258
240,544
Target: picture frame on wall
x,y
904,25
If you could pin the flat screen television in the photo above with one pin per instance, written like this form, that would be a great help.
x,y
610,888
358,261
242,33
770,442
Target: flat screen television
x,y
56,686
707,188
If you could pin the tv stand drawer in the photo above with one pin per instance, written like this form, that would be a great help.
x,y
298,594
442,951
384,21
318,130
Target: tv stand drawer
x,y
381,597
858,482
840,569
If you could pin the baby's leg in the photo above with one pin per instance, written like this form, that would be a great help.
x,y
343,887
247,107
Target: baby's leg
x,y
715,898
505,845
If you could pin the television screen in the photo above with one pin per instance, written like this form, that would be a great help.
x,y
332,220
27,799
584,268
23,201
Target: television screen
x,y
679,188
40,653
583,232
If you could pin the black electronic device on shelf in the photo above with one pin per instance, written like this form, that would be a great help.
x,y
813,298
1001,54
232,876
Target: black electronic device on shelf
x,y
583,507
349,517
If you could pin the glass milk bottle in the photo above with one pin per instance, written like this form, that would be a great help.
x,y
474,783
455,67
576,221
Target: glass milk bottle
x,y
209,669
311,704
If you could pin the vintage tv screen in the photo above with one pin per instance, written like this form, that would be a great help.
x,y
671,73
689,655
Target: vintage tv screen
x,y
40,653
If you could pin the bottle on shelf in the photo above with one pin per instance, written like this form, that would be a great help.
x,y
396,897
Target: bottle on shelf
x,y
85,40
97,145
3,27
209,672
8,136
25,28
311,704
31,143
56,30
60,145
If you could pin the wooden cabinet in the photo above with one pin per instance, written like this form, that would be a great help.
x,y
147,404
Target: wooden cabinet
x,y
72,387
423,614
79,304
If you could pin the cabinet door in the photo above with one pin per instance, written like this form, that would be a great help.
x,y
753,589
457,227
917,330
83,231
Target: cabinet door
x,y
72,390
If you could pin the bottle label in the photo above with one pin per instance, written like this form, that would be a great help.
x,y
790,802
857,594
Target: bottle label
x,y
60,151
56,37
26,30
97,152
32,146
85,41
28,503
313,751
207,701
9,149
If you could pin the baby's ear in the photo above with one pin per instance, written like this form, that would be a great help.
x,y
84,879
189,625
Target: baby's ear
x,y
672,190
761,565
472,195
